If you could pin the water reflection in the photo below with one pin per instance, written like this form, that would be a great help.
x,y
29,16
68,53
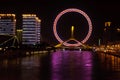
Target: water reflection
x,y
72,65
30,68
21,68
109,62
109,65
62,65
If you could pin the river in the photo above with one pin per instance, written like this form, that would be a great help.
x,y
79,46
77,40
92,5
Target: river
x,y
61,65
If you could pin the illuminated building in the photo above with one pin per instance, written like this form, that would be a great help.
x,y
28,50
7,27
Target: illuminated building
x,y
107,33
31,29
7,24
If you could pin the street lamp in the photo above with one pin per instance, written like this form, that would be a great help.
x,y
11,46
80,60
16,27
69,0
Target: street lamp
x,y
118,29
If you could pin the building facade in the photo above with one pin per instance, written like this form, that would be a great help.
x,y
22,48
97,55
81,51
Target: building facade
x,y
31,29
7,24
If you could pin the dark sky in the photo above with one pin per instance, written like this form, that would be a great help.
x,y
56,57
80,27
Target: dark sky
x,y
47,10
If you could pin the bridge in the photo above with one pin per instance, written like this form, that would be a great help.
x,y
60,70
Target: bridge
x,y
8,41
75,45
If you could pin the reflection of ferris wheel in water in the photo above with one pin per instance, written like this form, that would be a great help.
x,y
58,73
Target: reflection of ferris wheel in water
x,y
78,43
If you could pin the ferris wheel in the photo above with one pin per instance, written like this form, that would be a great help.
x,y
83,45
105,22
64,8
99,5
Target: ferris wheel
x,y
78,43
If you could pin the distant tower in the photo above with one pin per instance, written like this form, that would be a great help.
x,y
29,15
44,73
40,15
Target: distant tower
x,y
7,24
107,32
31,29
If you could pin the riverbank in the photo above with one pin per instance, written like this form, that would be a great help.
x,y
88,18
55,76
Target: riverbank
x,y
22,52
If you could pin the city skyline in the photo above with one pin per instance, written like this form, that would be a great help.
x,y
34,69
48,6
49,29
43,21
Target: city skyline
x,y
98,11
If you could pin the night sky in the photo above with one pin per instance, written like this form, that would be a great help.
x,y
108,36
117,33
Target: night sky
x,y
47,10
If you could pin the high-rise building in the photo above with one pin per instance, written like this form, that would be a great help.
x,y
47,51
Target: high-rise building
x,y
7,24
31,29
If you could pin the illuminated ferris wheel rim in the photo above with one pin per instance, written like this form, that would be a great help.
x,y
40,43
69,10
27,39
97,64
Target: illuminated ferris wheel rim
x,y
68,11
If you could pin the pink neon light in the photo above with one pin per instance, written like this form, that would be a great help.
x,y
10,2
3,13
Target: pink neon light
x,y
72,10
